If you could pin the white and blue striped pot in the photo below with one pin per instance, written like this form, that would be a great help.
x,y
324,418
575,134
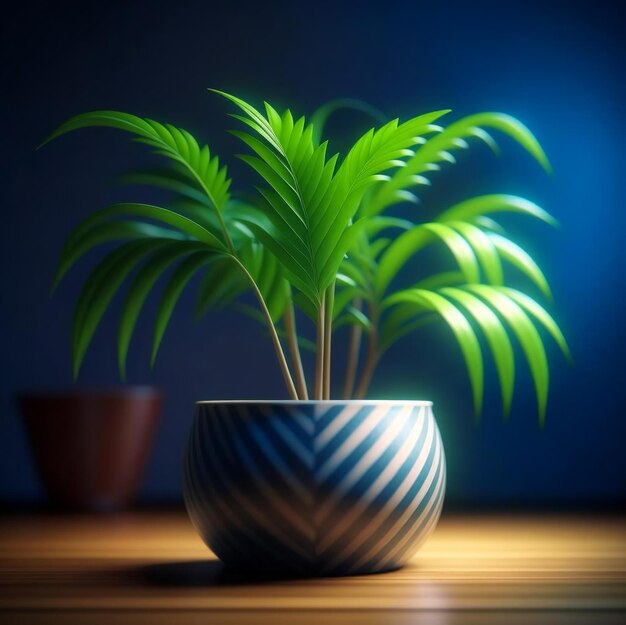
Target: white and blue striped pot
x,y
314,487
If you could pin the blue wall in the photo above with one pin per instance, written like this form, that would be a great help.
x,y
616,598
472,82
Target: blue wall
x,y
555,65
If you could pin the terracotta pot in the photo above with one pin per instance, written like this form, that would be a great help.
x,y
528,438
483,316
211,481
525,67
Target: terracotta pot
x,y
91,447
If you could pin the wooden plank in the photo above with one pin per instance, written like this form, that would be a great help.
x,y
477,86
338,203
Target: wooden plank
x,y
150,566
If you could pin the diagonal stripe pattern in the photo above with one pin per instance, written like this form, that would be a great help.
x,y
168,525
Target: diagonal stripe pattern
x,y
322,487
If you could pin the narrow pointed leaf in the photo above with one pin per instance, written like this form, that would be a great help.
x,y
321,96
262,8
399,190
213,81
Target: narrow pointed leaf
x,y
105,233
163,215
99,290
176,144
539,313
484,249
141,286
320,117
495,203
527,336
413,241
519,258
174,289
461,328
497,339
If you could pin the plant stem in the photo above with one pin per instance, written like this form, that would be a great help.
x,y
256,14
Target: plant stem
x,y
319,351
328,334
282,361
353,354
218,209
372,355
292,339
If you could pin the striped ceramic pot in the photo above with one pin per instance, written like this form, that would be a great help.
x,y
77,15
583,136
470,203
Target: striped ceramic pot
x,y
314,487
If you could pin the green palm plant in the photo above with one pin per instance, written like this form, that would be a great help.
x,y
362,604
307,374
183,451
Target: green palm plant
x,y
319,237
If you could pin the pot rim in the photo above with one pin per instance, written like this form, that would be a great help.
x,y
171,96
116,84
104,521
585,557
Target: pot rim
x,y
315,402
91,392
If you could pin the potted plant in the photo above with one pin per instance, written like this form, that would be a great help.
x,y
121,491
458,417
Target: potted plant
x,y
314,483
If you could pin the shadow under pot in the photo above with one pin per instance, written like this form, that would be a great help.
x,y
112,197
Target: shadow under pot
x,y
91,447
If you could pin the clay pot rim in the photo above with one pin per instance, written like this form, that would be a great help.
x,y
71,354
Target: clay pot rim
x,y
112,392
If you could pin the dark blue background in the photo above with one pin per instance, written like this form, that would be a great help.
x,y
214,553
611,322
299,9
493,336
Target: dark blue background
x,y
559,67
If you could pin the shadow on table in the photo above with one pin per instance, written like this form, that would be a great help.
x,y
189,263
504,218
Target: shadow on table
x,y
201,573
196,573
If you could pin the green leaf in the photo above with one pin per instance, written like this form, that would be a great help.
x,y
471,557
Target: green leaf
x,y
100,288
163,215
171,294
527,336
495,203
508,125
413,241
146,278
323,113
539,313
352,316
438,149
76,247
497,338
268,274
174,143
310,204
484,249
168,179
486,223
378,223
441,279
459,325
522,260
344,296
473,126
221,283
402,321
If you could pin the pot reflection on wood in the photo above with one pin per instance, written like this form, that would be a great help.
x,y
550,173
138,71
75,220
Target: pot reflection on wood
x,y
91,447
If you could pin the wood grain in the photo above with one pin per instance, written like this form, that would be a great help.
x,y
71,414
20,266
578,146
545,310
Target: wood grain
x,y
152,567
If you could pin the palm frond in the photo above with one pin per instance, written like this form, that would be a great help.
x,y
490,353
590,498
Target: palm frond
x,y
310,204
403,320
169,179
175,144
100,288
147,211
107,232
495,203
490,307
520,259
461,328
321,115
526,334
171,294
473,126
496,336
317,235
439,149
541,315
141,286
223,282
160,246
484,248
412,241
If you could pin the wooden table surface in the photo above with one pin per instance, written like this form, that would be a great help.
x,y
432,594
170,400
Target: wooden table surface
x,y
150,567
